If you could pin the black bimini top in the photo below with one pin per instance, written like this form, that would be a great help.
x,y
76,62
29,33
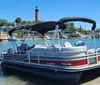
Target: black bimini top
x,y
41,27
82,19
50,25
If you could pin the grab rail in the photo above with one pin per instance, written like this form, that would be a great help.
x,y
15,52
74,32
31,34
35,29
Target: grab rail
x,y
97,49
53,53
28,56
89,55
94,55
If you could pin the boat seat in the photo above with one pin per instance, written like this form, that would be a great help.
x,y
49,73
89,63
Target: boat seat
x,y
67,44
31,47
57,46
90,51
23,47
40,46
80,43
38,51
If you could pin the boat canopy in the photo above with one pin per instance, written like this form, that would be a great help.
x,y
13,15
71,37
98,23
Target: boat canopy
x,y
82,19
50,25
40,27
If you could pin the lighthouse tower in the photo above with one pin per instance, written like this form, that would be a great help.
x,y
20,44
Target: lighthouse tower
x,y
36,14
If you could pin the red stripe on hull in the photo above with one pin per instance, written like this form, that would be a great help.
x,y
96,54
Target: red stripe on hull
x,y
98,58
33,61
61,63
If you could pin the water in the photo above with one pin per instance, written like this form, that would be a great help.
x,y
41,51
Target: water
x,y
88,42
21,78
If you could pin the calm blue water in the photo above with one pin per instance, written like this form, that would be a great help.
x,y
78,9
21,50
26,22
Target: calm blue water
x,y
88,42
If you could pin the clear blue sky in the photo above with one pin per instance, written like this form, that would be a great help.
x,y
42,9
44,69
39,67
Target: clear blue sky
x,y
50,9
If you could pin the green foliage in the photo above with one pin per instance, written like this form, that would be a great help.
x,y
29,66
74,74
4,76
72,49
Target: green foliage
x,y
98,30
10,24
73,35
18,20
3,22
20,33
24,22
71,27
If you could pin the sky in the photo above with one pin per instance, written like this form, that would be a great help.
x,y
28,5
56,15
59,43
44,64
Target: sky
x,y
50,10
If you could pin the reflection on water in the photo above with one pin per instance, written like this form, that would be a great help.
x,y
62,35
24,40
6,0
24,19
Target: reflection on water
x,y
22,78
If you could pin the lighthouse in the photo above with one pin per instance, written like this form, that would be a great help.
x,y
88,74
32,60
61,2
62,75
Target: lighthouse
x,y
36,14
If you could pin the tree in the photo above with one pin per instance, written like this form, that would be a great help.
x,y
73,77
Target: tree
x,y
70,27
18,20
3,22
24,22
29,22
10,24
67,25
72,24
80,29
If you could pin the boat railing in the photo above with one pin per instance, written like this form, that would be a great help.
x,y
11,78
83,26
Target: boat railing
x,y
93,52
2,55
88,53
98,50
29,56
92,56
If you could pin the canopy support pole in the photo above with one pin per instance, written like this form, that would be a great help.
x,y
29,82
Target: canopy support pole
x,y
94,39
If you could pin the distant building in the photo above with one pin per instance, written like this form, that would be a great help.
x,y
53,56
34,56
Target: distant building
x,y
28,34
6,28
97,33
31,35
